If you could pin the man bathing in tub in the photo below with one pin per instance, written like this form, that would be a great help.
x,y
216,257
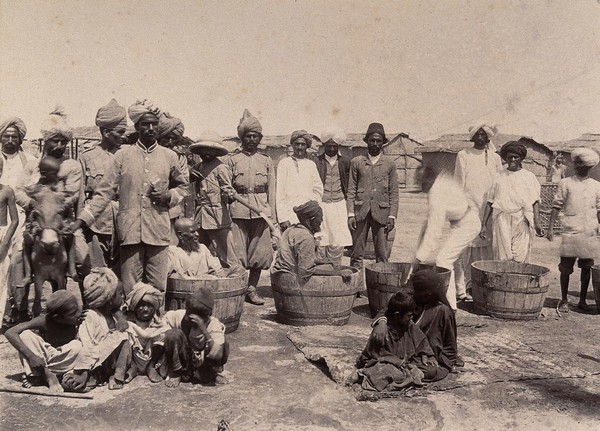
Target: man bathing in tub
x,y
190,259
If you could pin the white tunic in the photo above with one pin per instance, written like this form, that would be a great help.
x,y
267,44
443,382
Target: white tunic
x,y
579,198
298,181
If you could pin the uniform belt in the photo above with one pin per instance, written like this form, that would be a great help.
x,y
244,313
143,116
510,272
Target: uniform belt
x,y
246,191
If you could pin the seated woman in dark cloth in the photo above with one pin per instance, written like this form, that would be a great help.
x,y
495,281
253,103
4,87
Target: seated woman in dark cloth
x,y
433,316
404,358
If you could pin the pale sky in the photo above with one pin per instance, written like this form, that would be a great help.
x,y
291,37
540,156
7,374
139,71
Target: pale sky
x,y
420,67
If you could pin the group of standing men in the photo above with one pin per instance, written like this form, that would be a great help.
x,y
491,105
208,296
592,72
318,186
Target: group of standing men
x,y
123,199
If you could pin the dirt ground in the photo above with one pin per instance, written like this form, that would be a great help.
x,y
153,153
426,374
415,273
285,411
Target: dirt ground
x,y
274,387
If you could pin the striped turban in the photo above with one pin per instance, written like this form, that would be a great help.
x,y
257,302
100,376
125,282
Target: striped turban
x,y
169,124
140,108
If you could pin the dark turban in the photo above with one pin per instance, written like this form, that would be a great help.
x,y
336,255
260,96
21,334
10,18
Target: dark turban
x,y
427,279
99,287
248,123
168,124
15,122
63,303
203,297
514,147
308,210
111,116
301,134
146,292
140,108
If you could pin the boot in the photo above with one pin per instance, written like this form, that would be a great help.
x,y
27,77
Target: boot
x,y
253,297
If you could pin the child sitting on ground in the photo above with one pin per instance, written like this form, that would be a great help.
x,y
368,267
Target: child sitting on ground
x,y
195,349
433,315
47,345
146,328
405,358
106,351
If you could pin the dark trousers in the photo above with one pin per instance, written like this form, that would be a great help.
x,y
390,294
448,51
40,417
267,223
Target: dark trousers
x,y
359,240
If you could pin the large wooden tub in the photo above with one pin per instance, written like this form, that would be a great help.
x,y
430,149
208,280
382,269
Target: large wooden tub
x,y
385,279
323,300
229,296
509,290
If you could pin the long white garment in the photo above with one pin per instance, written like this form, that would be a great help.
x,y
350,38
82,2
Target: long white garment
x,y
58,359
447,203
334,229
579,198
298,181
512,197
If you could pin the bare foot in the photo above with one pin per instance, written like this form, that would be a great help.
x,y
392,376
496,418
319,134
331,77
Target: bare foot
x,y
153,375
53,383
172,382
114,384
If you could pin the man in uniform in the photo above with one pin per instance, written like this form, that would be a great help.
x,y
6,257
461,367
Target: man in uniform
x,y
253,177
112,121
149,181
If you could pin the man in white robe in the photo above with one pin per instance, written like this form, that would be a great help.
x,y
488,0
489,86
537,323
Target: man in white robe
x,y
513,203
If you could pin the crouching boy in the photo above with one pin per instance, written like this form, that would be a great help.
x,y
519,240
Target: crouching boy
x,y
106,351
146,329
195,349
47,345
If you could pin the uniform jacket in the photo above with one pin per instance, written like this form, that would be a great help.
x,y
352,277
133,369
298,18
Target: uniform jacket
x,y
212,208
372,188
344,167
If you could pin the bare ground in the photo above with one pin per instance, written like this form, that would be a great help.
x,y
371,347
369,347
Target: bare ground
x,y
273,387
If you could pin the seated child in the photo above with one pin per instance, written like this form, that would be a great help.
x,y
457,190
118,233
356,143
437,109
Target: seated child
x,y
189,259
195,348
47,345
106,351
405,357
433,315
146,329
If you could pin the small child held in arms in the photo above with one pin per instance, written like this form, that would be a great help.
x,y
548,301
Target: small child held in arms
x,y
195,349
106,351
579,197
405,357
47,345
146,329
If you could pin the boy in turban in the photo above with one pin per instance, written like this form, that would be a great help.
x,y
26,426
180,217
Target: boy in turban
x,y
579,197
296,257
106,352
513,202
47,344
146,328
195,348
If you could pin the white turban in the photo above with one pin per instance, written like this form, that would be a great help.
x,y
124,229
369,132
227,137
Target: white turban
x,y
140,108
489,130
56,125
336,135
586,155
99,287
15,122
